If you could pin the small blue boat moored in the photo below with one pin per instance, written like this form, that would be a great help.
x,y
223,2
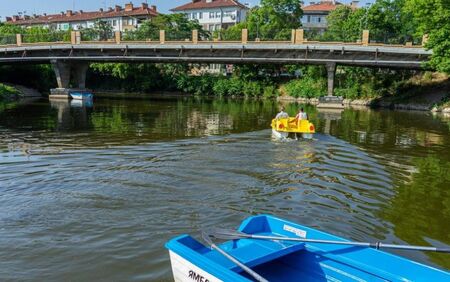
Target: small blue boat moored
x,y
283,260
81,95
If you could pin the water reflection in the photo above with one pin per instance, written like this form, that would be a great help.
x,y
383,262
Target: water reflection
x,y
420,210
114,180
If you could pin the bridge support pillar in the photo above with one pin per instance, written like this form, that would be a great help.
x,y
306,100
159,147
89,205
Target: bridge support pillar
x,y
79,74
331,70
64,71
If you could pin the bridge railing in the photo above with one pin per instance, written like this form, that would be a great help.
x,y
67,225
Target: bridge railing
x,y
8,39
297,36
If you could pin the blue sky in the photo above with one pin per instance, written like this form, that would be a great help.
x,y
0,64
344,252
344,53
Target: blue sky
x,y
8,8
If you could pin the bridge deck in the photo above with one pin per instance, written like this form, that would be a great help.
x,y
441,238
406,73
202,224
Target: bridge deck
x,y
220,52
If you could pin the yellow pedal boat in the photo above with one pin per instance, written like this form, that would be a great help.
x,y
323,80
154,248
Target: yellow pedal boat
x,y
283,126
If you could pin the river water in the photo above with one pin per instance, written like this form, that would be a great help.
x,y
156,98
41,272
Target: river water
x,y
92,192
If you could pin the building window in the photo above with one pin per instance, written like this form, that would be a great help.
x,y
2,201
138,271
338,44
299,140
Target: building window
x,y
114,22
218,15
194,16
319,19
130,21
212,15
200,15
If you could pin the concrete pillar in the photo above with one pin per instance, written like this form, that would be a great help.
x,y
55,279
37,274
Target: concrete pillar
x,y
73,37
162,36
365,38
299,36
424,39
117,36
78,37
331,70
293,36
62,73
244,36
19,40
79,71
195,36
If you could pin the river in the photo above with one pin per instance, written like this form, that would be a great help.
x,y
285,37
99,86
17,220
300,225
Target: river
x,y
93,191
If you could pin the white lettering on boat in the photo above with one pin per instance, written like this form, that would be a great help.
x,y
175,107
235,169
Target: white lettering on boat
x,y
346,274
197,277
296,231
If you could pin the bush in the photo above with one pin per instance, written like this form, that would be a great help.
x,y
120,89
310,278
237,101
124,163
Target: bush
x,y
306,87
270,91
7,91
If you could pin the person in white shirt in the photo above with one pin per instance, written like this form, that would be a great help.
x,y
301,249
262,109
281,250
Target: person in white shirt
x,y
301,115
282,114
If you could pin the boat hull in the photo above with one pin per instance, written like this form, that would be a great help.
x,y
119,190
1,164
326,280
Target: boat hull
x,y
184,271
82,96
291,261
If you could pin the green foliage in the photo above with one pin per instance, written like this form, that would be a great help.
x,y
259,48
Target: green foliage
x,y
387,21
101,30
306,87
432,18
8,92
345,24
128,77
272,20
176,26
429,187
41,34
40,77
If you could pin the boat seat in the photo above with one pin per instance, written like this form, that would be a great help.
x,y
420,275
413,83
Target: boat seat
x,y
253,252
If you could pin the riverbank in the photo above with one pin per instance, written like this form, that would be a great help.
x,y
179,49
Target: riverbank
x,y
11,92
429,92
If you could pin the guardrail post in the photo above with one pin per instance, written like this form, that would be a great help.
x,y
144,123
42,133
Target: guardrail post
x,y
162,36
117,36
77,37
365,38
195,36
244,36
299,36
19,40
424,39
73,37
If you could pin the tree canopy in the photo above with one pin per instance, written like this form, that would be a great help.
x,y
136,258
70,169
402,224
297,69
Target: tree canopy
x,y
433,18
274,19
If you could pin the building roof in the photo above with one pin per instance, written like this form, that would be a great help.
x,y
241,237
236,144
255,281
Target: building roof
x,y
322,6
205,4
80,16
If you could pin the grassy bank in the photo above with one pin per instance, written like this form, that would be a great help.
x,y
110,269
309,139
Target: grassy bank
x,y
8,92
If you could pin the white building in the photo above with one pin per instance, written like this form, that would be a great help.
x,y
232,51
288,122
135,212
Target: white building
x,y
214,14
315,14
121,19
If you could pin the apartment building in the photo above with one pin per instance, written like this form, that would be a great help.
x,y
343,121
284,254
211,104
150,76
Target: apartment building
x,y
214,14
315,14
121,19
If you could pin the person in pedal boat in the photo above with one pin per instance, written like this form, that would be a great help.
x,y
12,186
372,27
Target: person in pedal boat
x,y
282,114
301,115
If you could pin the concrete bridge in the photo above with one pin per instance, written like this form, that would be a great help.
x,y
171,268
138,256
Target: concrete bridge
x,y
70,60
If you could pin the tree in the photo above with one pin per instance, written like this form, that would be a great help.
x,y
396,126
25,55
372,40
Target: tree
x,y
274,19
345,24
102,31
176,26
432,18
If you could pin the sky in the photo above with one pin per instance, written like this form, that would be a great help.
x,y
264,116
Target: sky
x,y
9,8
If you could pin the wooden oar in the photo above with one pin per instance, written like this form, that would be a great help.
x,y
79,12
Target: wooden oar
x,y
233,235
207,238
